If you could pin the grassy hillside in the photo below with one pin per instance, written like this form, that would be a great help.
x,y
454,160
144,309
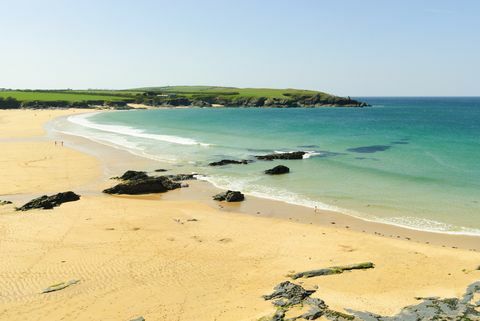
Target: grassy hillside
x,y
200,96
56,96
241,97
230,91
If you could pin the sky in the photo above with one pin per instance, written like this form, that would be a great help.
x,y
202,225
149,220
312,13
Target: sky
x,y
344,47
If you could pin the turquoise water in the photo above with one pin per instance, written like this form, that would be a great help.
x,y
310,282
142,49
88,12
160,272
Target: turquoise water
x,y
408,161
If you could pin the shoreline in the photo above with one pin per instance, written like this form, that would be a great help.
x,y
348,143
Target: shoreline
x,y
255,204
179,255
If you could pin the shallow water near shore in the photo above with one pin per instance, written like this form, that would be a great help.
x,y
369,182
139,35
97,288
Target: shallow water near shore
x,y
405,161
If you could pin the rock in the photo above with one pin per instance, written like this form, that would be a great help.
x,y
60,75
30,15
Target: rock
x,y
133,175
291,295
60,286
48,202
229,161
229,196
287,294
280,169
149,185
5,203
161,170
291,155
138,319
181,177
333,270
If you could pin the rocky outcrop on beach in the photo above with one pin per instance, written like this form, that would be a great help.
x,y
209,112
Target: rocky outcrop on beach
x,y
48,202
136,183
5,203
229,161
147,185
287,297
181,177
133,175
229,196
289,155
277,170
333,270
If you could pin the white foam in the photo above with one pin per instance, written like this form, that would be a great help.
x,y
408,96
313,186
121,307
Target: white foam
x,y
309,154
424,224
248,187
121,144
82,120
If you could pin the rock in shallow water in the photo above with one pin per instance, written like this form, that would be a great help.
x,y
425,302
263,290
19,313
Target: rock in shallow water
x,y
277,170
48,202
291,155
229,161
229,196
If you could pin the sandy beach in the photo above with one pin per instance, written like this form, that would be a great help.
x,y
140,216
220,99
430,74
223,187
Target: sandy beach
x,y
178,256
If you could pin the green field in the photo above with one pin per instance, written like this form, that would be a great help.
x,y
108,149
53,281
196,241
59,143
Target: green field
x,y
230,91
200,96
56,96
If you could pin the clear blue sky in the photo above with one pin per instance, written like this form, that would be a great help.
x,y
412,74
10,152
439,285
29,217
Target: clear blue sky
x,y
346,47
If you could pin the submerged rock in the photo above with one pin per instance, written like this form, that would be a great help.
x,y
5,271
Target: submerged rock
x,y
148,185
4,202
229,196
161,170
48,202
290,155
280,169
229,161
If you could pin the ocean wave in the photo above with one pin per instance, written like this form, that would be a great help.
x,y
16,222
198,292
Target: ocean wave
x,y
119,143
82,120
424,224
248,187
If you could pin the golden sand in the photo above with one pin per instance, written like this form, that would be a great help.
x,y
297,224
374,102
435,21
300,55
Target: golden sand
x,y
148,257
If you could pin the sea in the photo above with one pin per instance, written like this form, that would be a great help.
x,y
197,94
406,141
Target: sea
x,y
407,161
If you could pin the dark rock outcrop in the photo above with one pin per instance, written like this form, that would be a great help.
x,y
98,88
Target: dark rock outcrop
x,y
288,295
144,186
229,161
181,177
140,183
290,155
133,175
277,170
5,203
333,270
48,202
161,170
229,196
